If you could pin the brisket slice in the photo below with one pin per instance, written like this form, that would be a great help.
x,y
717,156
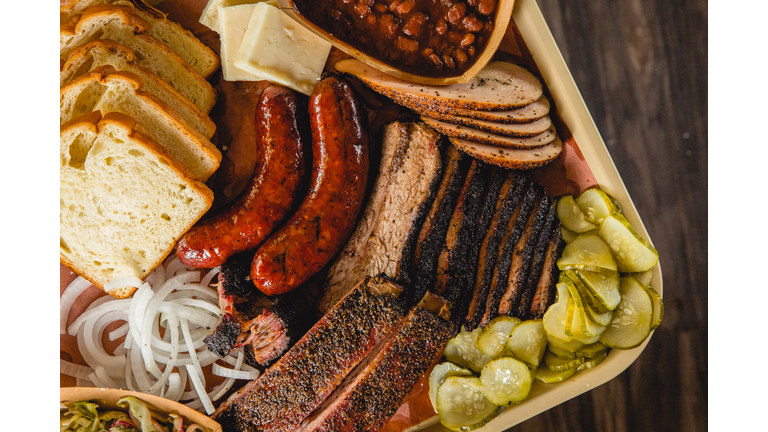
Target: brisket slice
x,y
522,257
286,393
457,262
500,271
383,242
540,254
433,232
375,390
546,286
511,192
269,335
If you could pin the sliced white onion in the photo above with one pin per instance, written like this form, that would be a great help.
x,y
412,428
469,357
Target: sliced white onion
x,y
104,377
71,293
119,332
74,370
224,387
209,276
200,304
108,306
175,387
200,387
174,327
236,374
173,265
198,317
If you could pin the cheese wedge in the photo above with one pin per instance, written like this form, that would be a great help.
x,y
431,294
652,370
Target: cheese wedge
x,y
282,50
211,16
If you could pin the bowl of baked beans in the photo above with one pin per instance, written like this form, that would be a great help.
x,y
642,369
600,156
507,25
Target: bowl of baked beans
x,y
437,42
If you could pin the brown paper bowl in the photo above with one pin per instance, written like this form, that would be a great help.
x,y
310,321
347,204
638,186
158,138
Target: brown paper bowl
x,y
503,13
107,398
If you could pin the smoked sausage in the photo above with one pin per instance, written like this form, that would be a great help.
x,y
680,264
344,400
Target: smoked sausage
x,y
269,197
327,215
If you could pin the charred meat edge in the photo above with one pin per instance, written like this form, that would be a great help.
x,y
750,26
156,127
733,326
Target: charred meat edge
x,y
522,257
499,207
546,287
537,265
286,393
394,145
269,335
458,260
375,390
432,235
500,271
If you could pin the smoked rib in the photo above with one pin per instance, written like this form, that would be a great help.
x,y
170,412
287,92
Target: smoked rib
x,y
286,393
373,393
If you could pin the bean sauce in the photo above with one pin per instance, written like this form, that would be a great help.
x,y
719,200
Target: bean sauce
x,y
426,37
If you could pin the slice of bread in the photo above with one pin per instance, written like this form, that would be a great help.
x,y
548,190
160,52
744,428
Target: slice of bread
x,y
107,90
183,42
104,52
119,24
124,202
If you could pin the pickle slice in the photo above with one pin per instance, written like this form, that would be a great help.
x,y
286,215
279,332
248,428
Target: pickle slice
x,y
569,236
595,204
604,288
592,307
632,252
439,374
561,353
555,317
642,277
528,342
550,377
593,350
658,308
462,405
572,345
571,216
557,364
506,380
463,351
588,252
493,338
631,323
592,362
580,327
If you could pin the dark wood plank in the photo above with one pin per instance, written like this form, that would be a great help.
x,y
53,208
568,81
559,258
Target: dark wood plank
x,y
641,66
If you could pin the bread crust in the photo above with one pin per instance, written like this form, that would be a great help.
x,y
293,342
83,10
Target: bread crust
x,y
105,75
96,123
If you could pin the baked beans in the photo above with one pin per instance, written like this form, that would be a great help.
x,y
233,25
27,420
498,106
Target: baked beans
x,y
426,37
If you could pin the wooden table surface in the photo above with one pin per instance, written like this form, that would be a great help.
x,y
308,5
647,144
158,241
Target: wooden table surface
x,y
641,66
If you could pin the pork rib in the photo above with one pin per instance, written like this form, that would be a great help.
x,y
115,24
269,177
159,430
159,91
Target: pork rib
x,y
286,393
384,239
370,397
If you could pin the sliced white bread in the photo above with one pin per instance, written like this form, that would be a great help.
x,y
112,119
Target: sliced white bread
x,y
499,86
104,52
119,24
124,203
202,59
465,127
514,158
488,138
526,114
107,90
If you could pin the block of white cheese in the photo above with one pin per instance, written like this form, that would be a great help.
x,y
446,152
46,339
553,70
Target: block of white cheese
x,y
282,50
234,23
212,12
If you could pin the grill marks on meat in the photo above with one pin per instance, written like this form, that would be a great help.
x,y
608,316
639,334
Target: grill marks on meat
x,y
510,193
286,393
522,257
370,397
433,233
500,271
404,190
546,286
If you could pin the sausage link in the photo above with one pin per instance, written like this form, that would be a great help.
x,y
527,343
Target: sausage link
x,y
305,244
270,195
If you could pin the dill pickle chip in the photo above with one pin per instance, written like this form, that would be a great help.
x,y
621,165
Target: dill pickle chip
x,y
506,380
631,322
528,342
588,252
571,216
632,252
493,337
595,204
462,404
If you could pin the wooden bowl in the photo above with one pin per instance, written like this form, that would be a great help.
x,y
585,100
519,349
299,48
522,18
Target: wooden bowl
x,y
501,20
107,398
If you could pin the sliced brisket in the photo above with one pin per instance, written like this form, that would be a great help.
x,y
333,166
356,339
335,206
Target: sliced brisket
x,y
373,392
286,393
546,286
522,257
384,240
540,254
